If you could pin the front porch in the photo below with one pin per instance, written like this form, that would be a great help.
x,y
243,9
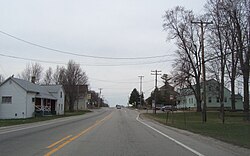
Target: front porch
x,y
45,106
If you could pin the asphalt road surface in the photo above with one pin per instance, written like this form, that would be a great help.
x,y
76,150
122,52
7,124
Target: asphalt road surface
x,y
108,132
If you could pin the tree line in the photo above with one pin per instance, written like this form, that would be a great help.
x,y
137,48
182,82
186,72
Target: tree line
x,y
226,46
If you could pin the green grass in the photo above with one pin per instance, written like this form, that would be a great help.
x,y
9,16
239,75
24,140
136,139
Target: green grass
x,y
10,122
235,130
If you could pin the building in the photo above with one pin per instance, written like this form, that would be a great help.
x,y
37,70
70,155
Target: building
x,y
168,94
23,99
165,95
58,92
187,98
81,92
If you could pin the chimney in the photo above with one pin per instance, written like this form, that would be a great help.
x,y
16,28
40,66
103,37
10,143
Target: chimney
x,y
33,79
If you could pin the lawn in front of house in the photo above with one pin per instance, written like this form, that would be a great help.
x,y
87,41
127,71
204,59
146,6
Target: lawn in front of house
x,y
10,122
235,130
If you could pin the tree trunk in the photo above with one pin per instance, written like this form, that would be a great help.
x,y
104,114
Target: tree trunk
x,y
71,104
233,94
246,96
198,97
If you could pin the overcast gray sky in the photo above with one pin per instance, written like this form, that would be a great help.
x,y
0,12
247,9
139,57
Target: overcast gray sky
x,y
107,28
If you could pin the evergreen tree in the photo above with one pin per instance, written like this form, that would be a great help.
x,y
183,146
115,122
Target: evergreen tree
x,y
134,98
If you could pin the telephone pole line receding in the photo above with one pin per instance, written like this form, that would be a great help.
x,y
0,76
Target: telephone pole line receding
x,y
204,109
141,89
156,73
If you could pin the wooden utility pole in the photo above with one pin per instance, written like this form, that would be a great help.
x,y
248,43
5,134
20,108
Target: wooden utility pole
x,y
141,89
204,110
156,73
99,103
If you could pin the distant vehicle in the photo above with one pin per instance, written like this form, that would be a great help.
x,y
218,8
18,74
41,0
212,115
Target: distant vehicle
x,y
118,107
158,107
168,107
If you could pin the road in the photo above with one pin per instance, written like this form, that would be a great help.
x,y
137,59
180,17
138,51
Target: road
x,y
108,132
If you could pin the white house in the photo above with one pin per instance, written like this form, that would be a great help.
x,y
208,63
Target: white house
x,y
58,92
187,98
22,99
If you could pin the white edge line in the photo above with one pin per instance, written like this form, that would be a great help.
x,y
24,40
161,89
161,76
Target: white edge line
x,y
170,138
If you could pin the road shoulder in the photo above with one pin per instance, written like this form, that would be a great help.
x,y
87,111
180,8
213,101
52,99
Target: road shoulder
x,y
196,141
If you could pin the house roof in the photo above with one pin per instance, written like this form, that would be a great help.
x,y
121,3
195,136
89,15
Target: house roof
x,y
52,88
31,87
170,89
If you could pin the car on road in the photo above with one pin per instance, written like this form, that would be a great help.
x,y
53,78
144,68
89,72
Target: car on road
x,y
118,107
168,108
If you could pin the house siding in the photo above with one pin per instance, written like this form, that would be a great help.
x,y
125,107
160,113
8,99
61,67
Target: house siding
x,y
30,105
59,107
60,102
18,107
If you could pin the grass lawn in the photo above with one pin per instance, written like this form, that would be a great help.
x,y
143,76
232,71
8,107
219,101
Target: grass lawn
x,y
234,130
9,122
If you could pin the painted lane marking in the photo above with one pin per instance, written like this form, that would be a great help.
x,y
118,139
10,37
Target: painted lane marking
x,y
78,135
54,144
170,138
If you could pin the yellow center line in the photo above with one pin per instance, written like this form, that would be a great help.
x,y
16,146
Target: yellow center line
x,y
54,144
77,136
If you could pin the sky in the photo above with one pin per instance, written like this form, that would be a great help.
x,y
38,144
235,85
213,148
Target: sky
x,y
119,31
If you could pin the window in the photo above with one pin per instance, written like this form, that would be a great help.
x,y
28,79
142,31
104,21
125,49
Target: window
x,y
209,88
218,99
209,99
217,88
6,99
225,99
60,94
33,99
171,97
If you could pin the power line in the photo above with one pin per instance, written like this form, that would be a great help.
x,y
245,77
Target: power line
x,y
30,59
77,54
91,78
53,62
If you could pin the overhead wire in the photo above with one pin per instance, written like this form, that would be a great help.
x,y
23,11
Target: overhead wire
x,y
91,78
77,54
54,62
30,59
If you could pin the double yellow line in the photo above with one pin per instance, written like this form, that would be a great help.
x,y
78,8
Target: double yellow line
x,y
69,138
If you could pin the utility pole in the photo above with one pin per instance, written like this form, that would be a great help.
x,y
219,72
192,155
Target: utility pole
x,y
204,110
156,73
141,89
99,103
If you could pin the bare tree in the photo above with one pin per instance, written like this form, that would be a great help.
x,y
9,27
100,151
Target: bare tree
x,y
188,65
238,13
218,44
35,69
58,75
26,73
48,76
232,27
224,33
71,77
